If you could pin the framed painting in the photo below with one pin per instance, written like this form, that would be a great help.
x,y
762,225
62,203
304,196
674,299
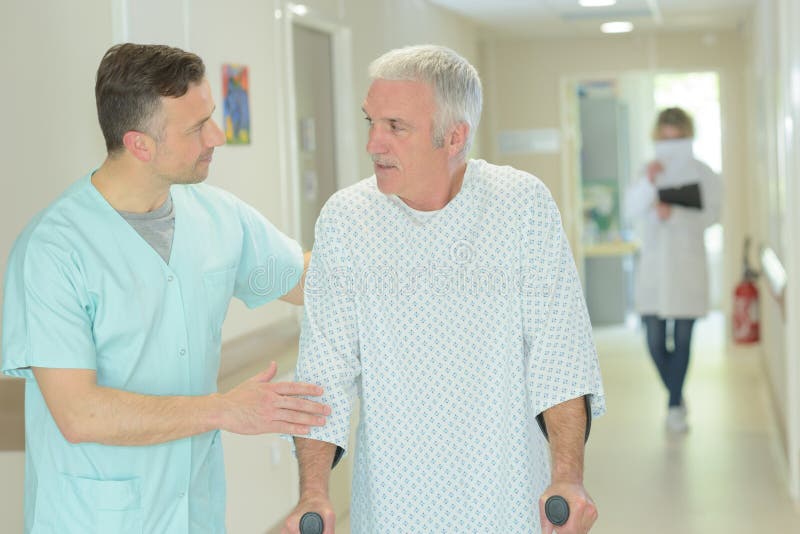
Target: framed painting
x,y
236,104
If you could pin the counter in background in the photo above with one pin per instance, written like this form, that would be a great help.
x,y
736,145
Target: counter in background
x,y
609,280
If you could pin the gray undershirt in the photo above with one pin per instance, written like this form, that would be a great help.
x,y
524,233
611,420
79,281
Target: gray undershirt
x,y
157,227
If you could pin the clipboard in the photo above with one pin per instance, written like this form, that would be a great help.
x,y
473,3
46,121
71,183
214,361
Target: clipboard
x,y
687,196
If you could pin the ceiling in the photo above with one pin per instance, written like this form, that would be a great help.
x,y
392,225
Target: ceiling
x,y
531,18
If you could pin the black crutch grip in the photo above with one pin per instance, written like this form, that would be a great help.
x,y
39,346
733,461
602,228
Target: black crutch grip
x,y
557,510
311,523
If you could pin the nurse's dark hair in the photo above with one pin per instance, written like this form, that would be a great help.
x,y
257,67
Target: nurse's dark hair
x,y
131,80
677,118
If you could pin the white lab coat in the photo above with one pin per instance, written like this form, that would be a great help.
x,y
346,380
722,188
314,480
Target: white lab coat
x,y
672,272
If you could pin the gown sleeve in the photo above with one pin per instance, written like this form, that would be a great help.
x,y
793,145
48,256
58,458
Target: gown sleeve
x,y
329,348
562,362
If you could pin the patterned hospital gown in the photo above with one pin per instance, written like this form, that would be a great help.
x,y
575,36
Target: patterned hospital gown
x,y
454,328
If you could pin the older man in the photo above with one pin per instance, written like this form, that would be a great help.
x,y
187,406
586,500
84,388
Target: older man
x,y
444,293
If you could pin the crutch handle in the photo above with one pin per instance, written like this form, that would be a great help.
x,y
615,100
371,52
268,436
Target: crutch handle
x,y
557,510
311,523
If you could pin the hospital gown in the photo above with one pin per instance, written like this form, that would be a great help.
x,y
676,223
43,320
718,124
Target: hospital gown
x,y
455,328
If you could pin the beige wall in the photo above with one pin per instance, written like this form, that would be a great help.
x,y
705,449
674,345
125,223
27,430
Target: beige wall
x,y
773,187
50,135
762,56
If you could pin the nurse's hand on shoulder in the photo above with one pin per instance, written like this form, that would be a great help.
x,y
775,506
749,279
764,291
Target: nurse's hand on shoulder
x,y
654,168
259,406
664,211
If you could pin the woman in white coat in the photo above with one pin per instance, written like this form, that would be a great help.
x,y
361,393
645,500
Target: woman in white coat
x,y
672,276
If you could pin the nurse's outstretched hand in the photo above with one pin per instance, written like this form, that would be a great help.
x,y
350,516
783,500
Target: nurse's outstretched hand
x,y
259,406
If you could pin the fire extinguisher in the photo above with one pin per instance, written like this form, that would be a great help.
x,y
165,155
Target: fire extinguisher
x,y
745,304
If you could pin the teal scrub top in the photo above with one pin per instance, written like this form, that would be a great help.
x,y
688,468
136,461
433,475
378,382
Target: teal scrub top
x,y
83,290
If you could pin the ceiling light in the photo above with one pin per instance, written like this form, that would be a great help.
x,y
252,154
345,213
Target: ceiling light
x,y
616,27
597,3
298,9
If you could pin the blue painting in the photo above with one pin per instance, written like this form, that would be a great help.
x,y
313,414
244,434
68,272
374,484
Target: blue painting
x,y
236,104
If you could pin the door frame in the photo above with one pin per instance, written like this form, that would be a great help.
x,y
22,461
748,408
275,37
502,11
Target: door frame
x,y
344,128
571,158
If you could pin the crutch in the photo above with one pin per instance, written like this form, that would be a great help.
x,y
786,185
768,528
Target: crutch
x,y
555,507
311,523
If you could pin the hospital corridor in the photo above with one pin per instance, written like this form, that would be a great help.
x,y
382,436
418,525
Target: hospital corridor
x,y
639,158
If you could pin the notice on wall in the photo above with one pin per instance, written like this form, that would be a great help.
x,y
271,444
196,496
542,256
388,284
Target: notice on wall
x,y
534,141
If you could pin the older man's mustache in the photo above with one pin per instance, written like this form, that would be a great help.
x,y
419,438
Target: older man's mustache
x,y
384,162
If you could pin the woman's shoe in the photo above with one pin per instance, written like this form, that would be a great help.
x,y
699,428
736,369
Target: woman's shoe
x,y
676,420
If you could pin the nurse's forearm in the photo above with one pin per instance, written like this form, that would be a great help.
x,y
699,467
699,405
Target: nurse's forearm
x,y
86,412
566,429
315,459
115,417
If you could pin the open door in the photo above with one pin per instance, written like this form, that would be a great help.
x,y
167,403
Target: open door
x,y
315,116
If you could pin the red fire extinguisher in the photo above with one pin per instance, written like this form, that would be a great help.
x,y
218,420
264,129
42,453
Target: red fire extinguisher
x,y
745,304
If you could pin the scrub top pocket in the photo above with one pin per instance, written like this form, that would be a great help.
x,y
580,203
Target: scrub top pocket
x,y
109,506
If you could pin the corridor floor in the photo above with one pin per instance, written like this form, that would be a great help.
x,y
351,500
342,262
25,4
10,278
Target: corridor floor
x,y
725,476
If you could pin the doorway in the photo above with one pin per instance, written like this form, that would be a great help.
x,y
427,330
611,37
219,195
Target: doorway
x,y
315,121
319,134
612,117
